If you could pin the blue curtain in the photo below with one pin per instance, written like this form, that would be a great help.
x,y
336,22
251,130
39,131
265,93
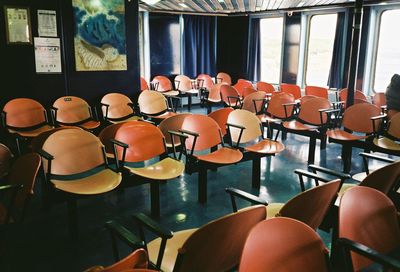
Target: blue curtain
x,y
253,56
336,73
199,45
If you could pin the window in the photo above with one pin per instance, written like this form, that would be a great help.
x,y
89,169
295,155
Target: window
x,y
320,49
388,54
271,34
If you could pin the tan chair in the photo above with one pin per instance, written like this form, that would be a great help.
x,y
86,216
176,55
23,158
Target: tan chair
x,y
224,77
154,105
163,85
117,107
172,123
25,119
388,141
186,87
205,81
369,229
74,111
91,176
245,128
284,244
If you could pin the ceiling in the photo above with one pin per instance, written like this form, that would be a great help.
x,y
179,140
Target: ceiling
x,y
233,6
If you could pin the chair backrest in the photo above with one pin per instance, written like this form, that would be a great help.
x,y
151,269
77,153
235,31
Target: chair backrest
x,y
369,217
241,84
215,92
265,87
379,99
225,240
107,134
394,126
71,110
357,95
248,91
283,244
38,141
162,84
291,89
226,91
357,117
311,206
143,84
275,105
118,106
208,130
383,179
248,120
309,111
173,123
136,260
183,83
69,146
257,97
221,117
152,102
224,77
5,160
24,113
317,91
206,80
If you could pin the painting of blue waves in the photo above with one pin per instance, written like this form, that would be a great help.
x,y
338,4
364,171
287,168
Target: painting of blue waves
x,y
100,39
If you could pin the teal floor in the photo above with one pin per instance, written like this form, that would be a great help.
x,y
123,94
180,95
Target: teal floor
x,y
42,242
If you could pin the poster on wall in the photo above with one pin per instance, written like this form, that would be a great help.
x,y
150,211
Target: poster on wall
x,y
100,39
47,23
47,55
18,25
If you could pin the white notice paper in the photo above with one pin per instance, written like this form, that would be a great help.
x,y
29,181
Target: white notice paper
x,y
47,23
47,55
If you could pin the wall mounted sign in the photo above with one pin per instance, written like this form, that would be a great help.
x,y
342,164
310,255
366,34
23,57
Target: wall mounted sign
x,y
18,25
47,55
100,39
47,23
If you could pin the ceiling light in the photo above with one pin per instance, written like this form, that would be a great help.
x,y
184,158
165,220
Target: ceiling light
x,y
151,2
183,5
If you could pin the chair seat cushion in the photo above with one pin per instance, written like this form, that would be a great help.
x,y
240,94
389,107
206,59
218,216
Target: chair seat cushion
x,y
273,209
296,125
166,169
268,119
31,133
214,100
91,124
223,155
164,115
171,93
171,250
342,135
387,143
132,118
266,146
191,91
101,182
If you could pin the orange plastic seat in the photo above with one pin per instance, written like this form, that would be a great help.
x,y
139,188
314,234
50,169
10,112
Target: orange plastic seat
x,y
317,91
212,97
224,77
172,123
255,102
117,107
143,84
292,89
248,91
205,81
230,96
163,85
185,85
368,224
154,105
356,119
265,87
25,118
359,97
221,117
379,99
284,244
91,176
74,111
241,85
388,142
204,133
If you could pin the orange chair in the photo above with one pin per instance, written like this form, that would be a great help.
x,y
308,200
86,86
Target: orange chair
x,y
224,77
230,96
204,133
186,87
292,89
143,84
163,85
154,105
379,100
213,97
19,185
317,91
248,91
312,122
244,128
284,244
91,176
241,85
24,118
356,119
387,141
255,102
117,107
359,97
205,81
187,250
369,229
265,87
172,123
221,117
74,111
6,158
138,142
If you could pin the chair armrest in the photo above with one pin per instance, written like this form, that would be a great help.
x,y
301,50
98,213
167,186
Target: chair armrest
x,y
193,134
303,173
342,176
285,106
236,98
124,146
121,144
233,192
125,235
382,116
182,139
349,245
228,126
107,107
45,155
329,110
376,157
11,187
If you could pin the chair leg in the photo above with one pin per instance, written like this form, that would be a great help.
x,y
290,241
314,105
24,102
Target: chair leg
x,y
73,217
346,157
155,198
202,190
311,150
323,142
256,179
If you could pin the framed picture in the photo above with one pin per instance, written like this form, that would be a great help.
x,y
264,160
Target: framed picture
x,y
18,25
